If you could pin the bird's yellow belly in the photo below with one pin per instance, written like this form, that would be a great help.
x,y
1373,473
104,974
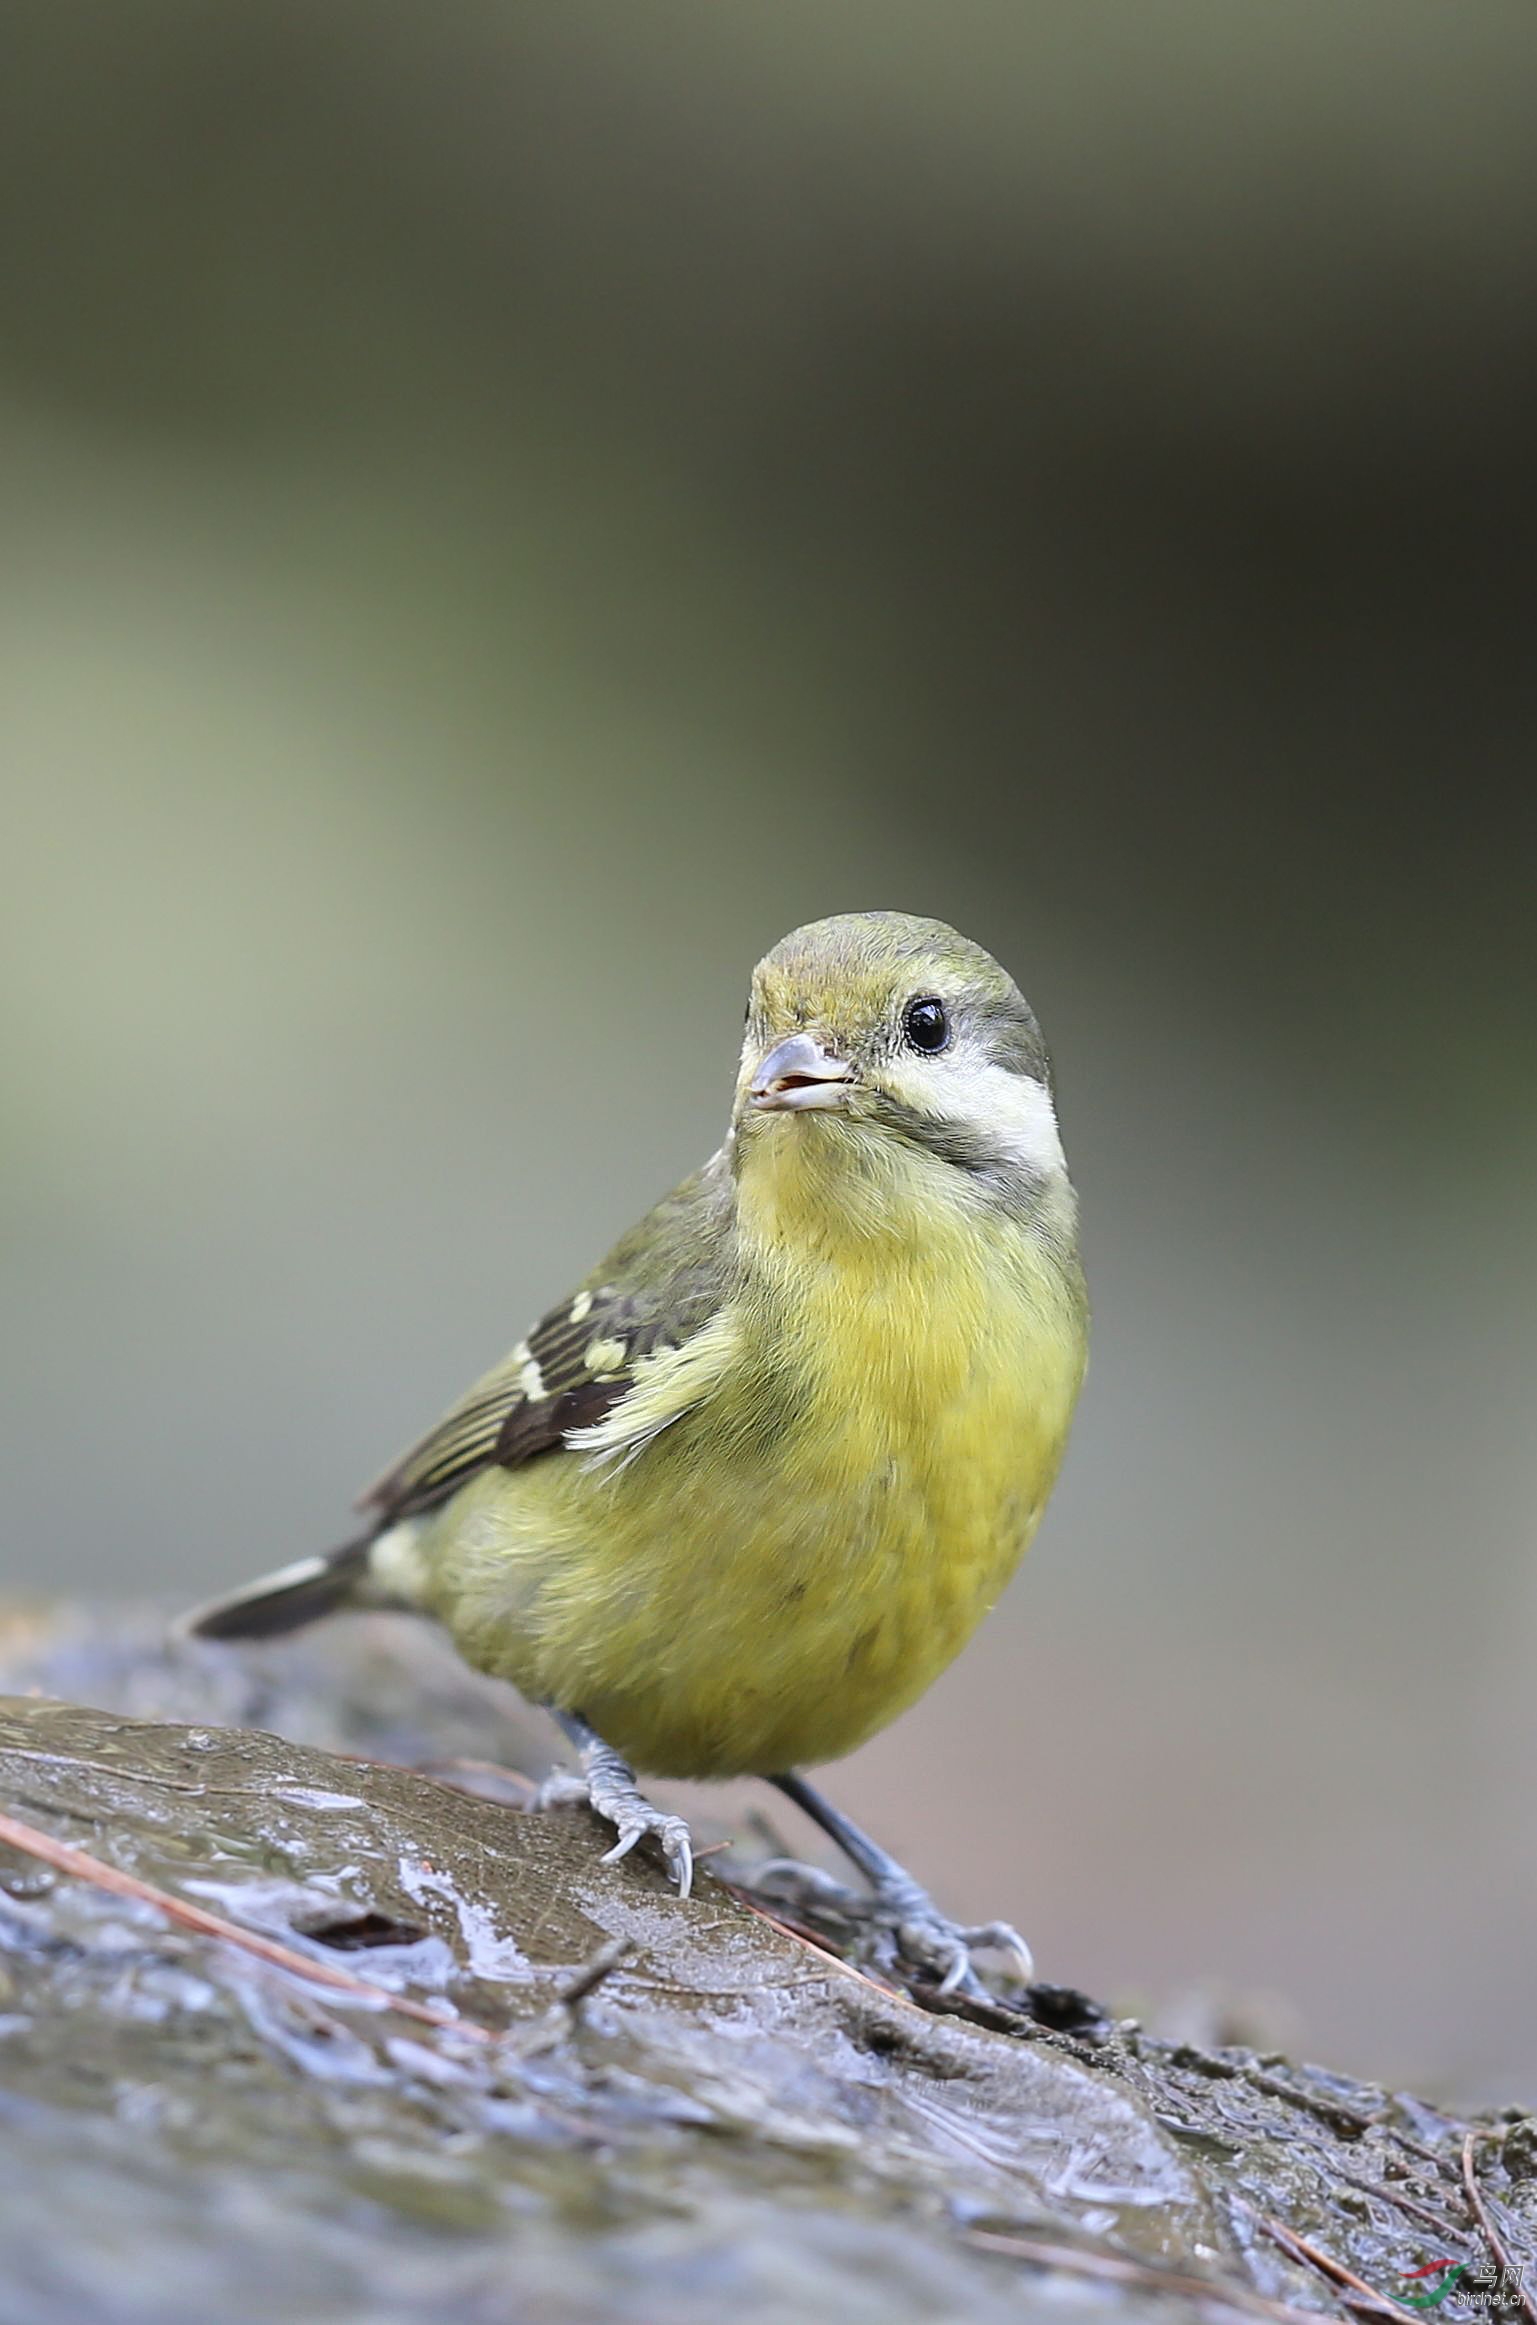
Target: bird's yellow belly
x,y
742,1599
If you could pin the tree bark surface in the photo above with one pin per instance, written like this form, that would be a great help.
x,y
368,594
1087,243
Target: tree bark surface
x,y
469,2074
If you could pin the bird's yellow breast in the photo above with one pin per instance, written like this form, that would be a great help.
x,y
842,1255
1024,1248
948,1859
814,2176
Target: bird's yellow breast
x,y
793,1559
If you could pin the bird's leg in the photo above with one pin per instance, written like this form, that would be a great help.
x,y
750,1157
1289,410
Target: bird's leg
x,y
607,1786
916,1932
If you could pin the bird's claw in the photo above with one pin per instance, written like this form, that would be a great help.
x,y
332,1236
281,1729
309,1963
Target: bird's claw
x,y
798,1885
904,1930
672,1837
943,1949
617,1798
561,1789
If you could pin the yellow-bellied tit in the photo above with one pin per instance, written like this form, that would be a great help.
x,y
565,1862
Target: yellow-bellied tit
x,y
734,1504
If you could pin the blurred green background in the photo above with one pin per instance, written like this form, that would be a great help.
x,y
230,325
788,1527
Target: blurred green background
x,y
505,511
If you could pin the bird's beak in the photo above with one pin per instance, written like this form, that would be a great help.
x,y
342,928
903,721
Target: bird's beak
x,y
797,1075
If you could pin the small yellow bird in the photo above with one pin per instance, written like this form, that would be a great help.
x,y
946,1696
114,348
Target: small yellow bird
x,y
738,1501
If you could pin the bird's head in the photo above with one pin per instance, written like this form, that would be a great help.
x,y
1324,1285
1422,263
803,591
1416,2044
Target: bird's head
x,y
893,1044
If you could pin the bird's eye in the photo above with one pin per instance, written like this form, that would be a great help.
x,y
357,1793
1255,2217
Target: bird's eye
x,y
925,1025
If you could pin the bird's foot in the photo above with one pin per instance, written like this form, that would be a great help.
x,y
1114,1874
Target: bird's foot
x,y
607,1786
897,1924
927,1941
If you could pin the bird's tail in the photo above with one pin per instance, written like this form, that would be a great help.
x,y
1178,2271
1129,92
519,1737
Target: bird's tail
x,y
287,1599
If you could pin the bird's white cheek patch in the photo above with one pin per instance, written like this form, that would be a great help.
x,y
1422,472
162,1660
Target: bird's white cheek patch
x,y
1020,1114
1011,1113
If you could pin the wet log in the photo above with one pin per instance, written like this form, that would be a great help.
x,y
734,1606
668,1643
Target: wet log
x,y
294,2029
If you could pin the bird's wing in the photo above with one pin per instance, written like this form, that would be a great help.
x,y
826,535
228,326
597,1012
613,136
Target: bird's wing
x,y
657,1292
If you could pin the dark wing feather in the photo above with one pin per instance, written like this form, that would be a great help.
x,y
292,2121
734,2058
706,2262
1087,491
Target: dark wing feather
x,y
658,1285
